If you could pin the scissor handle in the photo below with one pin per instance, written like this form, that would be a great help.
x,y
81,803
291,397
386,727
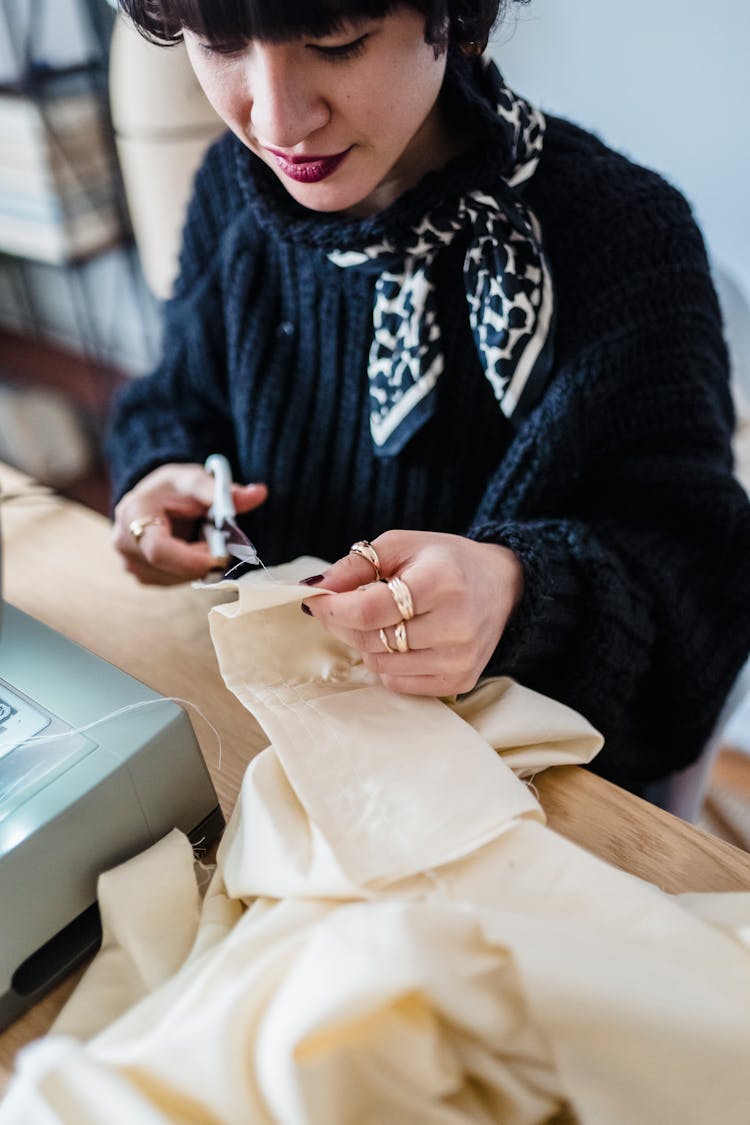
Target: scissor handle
x,y
222,508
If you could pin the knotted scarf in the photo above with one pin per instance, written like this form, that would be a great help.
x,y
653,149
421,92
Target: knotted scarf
x,y
507,281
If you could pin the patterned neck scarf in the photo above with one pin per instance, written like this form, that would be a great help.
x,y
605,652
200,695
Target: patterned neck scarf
x,y
508,292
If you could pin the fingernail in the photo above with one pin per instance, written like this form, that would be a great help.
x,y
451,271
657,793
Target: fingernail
x,y
316,578
306,609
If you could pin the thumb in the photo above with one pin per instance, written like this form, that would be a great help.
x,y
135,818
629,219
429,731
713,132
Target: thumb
x,y
245,497
394,550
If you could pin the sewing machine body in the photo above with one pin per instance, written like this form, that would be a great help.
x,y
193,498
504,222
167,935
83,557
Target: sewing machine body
x,y
75,804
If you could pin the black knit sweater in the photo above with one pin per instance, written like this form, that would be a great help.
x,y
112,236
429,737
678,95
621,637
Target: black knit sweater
x,y
616,492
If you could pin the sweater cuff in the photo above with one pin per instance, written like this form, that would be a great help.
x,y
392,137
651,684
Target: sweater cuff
x,y
546,617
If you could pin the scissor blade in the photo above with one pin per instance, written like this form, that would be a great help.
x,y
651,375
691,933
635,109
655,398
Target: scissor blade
x,y
239,545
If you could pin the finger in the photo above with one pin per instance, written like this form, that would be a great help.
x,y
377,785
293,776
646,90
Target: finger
x,y
197,486
162,551
122,533
361,611
196,490
415,662
439,686
188,490
245,497
137,566
148,575
347,574
159,550
421,635
374,605
156,506
393,550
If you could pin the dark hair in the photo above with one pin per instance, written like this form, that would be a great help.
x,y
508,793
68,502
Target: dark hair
x,y
465,24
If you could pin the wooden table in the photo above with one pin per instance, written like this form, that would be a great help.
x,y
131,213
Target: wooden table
x,y
60,567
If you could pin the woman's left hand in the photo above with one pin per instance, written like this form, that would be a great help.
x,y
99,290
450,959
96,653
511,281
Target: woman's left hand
x,y
463,593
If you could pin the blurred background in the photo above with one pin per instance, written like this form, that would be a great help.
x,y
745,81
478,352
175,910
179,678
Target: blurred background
x,y
100,134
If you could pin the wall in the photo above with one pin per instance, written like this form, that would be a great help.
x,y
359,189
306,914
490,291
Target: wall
x,y
667,81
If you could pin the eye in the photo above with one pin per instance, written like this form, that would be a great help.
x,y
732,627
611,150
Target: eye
x,y
225,49
341,51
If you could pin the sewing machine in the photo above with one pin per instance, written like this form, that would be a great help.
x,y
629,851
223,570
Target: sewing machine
x,y
79,795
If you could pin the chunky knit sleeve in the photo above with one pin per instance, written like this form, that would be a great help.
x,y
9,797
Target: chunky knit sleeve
x,y
618,497
180,412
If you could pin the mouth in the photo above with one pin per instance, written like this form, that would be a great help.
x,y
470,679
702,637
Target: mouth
x,y
308,169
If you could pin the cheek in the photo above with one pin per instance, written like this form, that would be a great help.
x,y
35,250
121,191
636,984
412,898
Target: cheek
x,y
386,105
218,84
410,101
428,80
222,95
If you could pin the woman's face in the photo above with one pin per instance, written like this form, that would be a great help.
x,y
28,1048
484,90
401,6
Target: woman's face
x,y
346,122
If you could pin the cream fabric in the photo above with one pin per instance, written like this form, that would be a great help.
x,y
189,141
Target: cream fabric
x,y
392,935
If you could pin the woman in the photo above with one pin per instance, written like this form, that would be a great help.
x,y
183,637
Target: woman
x,y
413,310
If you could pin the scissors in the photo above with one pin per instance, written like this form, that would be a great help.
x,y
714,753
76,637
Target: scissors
x,y
225,539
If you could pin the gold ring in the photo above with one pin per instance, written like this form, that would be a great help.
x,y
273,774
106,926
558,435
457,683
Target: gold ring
x,y
402,597
399,633
367,552
384,640
137,527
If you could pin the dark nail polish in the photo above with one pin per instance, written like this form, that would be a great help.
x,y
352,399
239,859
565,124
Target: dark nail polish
x,y
306,609
316,578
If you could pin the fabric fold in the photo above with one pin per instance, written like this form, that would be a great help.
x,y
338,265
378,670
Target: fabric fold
x,y
392,934
338,775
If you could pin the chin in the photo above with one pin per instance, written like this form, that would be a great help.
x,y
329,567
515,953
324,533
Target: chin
x,y
317,202
326,197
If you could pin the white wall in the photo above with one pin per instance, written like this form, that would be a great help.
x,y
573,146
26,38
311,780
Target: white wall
x,y
667,81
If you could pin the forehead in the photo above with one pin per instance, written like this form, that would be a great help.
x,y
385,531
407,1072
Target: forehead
x,y
271,20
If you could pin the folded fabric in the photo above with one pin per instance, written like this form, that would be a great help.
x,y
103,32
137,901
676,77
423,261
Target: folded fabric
x,y
391,934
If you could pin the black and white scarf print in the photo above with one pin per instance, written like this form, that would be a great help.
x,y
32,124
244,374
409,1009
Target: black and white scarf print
x,y
508,290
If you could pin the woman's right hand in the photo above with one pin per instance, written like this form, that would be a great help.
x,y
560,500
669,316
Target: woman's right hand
x,y
173,497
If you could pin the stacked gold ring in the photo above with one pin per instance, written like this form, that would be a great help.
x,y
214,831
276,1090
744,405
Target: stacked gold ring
x,y
399,636
384,641
402,597
367,552
399,633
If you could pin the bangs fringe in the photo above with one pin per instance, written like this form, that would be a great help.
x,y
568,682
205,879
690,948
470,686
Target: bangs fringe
x,y
465,23
232,21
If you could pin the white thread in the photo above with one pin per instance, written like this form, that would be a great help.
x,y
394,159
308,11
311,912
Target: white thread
x,y
46,738
529,782
256,561
206,870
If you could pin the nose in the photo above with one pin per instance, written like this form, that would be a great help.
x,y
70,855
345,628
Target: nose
x,y
286,105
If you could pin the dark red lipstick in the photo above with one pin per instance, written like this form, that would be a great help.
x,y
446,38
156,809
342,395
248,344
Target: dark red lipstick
x,y
308,169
